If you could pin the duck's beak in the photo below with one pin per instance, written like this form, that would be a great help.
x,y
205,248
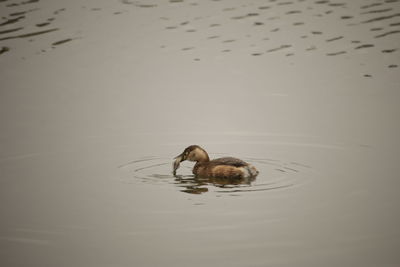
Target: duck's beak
x,y
178,160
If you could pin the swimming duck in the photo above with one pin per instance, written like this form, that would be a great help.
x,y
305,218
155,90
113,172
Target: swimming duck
x,y
227,167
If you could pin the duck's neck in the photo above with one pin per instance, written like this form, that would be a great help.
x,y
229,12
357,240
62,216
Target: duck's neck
x,y
203,157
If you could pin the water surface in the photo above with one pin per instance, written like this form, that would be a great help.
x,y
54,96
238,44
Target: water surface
x,y
98,97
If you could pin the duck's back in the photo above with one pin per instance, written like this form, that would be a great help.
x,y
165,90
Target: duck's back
x,y
227,167
229,161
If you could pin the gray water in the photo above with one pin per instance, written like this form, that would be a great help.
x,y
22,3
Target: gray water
x,y
98,97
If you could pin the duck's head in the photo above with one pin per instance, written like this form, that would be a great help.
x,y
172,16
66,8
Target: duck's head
x,y
191,153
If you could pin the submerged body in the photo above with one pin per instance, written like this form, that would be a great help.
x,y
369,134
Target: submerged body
x,y
227,167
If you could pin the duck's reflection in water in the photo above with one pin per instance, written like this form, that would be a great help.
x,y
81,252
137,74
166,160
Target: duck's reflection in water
x,y
198,185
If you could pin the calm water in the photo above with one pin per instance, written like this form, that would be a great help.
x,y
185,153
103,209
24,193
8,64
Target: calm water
x,y
98,97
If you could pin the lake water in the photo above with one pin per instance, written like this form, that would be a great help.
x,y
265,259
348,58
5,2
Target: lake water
x,y
98,97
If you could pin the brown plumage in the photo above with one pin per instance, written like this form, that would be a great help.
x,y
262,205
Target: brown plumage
x,y
227,167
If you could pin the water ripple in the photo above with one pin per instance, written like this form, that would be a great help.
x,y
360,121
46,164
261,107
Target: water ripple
x,y
274,175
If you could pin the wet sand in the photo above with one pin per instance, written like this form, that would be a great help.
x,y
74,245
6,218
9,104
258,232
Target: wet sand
x,y
97,97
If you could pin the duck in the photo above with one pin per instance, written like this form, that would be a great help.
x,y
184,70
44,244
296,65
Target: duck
x,y
226,167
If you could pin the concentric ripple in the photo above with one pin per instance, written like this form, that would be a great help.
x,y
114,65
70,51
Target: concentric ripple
x,y
274,174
